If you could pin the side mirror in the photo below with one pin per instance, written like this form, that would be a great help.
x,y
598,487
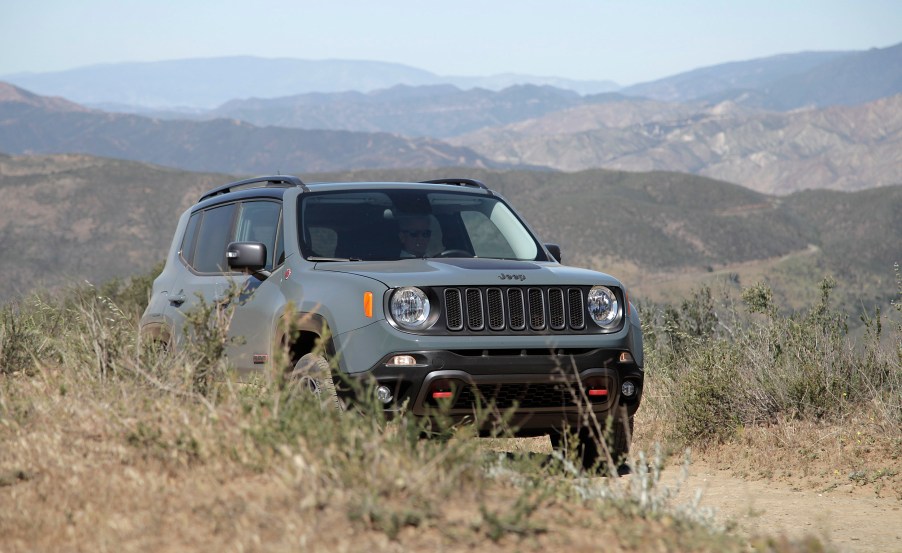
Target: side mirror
x,y
555,251
247,256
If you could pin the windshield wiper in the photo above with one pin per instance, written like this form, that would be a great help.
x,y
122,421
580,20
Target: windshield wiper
x,y
333,259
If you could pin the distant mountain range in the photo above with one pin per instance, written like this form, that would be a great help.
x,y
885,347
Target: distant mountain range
x,y
67,218
840,147
201,84
786,82
437,111
739,122
195,86
34,124
731,78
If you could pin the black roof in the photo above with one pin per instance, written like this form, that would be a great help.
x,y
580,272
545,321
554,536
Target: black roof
x,y
274,186
263,192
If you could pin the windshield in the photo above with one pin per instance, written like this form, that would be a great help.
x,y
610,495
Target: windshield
x,y
399,224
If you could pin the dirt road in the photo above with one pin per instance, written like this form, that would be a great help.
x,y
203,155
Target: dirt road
x,y
849,518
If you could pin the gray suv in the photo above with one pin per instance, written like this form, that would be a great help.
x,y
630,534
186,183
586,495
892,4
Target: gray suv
x,y
435,293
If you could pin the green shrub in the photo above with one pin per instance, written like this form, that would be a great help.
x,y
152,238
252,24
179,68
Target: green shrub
x,y
723,367
29,331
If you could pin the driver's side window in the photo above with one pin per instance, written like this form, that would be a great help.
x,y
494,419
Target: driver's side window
x,y
259,222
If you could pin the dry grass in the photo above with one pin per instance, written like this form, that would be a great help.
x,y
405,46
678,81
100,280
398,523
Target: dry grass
x,y
125,466
107,446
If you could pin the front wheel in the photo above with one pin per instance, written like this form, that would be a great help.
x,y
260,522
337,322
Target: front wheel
x,y
313,375
589,451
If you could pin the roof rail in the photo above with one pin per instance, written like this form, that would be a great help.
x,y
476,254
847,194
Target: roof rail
x,y
460,182
273,181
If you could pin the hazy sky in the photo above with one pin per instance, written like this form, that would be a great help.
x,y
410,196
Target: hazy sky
x,y
626,41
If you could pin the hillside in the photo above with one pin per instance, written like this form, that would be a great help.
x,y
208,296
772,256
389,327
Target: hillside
x,y
843,148
65,219
663,233
29,125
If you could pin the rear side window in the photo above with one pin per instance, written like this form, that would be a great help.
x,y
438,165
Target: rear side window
x,y
187,248
212,239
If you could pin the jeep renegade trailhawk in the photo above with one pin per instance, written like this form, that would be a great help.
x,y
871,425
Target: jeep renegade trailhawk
x,y
437,292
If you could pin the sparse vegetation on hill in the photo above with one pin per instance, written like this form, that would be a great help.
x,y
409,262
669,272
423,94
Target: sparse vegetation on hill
x,y
70,218
65,219
840,147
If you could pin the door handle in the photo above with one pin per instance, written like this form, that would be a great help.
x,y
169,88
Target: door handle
x,y
177,299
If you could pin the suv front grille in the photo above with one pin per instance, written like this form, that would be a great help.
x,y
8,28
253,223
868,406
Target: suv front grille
x,y
474,310
495,308
453,309
536,309
524,395
514,309
505,396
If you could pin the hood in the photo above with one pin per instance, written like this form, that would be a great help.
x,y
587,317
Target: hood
x,y
469,272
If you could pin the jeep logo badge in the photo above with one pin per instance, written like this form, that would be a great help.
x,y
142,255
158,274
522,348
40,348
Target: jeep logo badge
x,y
506,276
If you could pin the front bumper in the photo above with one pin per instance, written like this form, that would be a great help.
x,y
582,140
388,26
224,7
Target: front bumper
x,y
532,390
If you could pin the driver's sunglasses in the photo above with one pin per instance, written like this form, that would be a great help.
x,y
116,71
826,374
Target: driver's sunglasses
x,y
418,233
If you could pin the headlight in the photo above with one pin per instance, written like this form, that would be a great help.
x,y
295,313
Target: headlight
x,y
604,308
410,308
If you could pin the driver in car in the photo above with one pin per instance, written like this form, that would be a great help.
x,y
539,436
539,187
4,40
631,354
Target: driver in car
x,y
414,234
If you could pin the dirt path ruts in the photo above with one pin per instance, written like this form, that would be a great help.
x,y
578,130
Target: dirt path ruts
x,y
843,516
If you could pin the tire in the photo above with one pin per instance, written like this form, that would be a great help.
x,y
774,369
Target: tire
x,y
590,455
620,441
312,374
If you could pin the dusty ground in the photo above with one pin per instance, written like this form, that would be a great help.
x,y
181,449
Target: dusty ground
x,y
850,517
802,499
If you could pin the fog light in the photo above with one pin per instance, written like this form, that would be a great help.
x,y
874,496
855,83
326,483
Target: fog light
x,y
625,357
628,388
402,360
383,394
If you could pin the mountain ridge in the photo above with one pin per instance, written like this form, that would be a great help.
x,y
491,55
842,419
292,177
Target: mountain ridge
x,y
663,233
210,82
787,81
218,145
838,147
705,81
780,82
